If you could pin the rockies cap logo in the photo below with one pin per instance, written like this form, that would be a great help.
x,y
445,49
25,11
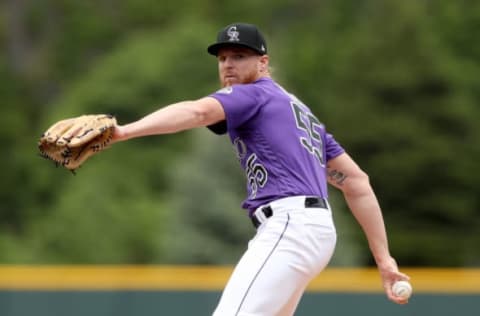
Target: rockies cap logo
x,y
233,34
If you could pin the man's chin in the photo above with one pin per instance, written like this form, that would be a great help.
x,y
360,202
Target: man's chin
x,y
230,82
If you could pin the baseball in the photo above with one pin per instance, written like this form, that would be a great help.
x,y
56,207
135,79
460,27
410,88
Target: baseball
x,y
402,289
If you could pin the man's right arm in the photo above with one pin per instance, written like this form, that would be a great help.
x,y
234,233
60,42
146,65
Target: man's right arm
x,y
173,118
346,175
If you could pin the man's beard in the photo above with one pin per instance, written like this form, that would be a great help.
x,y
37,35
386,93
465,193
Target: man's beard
x,y
249,78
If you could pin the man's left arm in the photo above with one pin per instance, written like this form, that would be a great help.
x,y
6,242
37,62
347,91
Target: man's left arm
x,y
173,118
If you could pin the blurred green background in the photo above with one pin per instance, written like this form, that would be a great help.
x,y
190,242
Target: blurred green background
x,y
396,82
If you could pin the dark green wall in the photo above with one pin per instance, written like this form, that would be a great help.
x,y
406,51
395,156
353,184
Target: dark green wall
x,y
150,303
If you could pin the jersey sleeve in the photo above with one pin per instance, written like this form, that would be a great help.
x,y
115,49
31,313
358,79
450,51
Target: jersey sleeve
x,y
332,147
240,103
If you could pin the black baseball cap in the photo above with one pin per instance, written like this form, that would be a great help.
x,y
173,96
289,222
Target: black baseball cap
x,y
241,34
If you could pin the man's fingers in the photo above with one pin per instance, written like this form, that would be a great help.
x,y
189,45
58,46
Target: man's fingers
x,y
398,299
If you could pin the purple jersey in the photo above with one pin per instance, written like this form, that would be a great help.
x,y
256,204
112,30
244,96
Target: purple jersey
x,y
281,145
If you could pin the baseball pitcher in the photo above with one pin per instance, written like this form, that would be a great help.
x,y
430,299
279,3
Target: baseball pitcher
x,y
288,158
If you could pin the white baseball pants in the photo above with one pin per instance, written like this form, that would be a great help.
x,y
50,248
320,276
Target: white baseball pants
x,y
288,251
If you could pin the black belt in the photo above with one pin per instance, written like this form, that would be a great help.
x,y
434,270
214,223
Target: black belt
x,y
310,202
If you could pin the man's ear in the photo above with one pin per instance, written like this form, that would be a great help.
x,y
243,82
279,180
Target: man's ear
x,y
264,63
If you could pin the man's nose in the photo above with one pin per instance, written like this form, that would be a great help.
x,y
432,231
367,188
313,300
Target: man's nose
x,y
228,62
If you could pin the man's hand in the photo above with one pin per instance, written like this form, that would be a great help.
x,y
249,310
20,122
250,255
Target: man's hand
x,y
389,273
69,143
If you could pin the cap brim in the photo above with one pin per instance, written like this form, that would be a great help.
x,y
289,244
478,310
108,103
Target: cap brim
x,y
214,48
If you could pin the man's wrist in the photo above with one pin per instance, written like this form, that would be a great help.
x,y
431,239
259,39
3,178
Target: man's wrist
x,y
385,261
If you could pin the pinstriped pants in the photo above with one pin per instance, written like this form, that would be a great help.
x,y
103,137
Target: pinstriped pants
x,y
288,251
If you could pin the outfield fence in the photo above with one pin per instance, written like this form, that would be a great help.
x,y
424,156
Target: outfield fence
x,y
194,290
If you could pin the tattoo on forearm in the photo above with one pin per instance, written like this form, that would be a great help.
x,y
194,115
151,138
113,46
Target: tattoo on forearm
x,y
337,176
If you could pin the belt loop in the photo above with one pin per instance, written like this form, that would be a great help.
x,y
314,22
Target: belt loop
x,y
260,214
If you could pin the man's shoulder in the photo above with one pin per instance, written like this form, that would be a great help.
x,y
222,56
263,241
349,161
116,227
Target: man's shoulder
x,y
245,87
264,81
